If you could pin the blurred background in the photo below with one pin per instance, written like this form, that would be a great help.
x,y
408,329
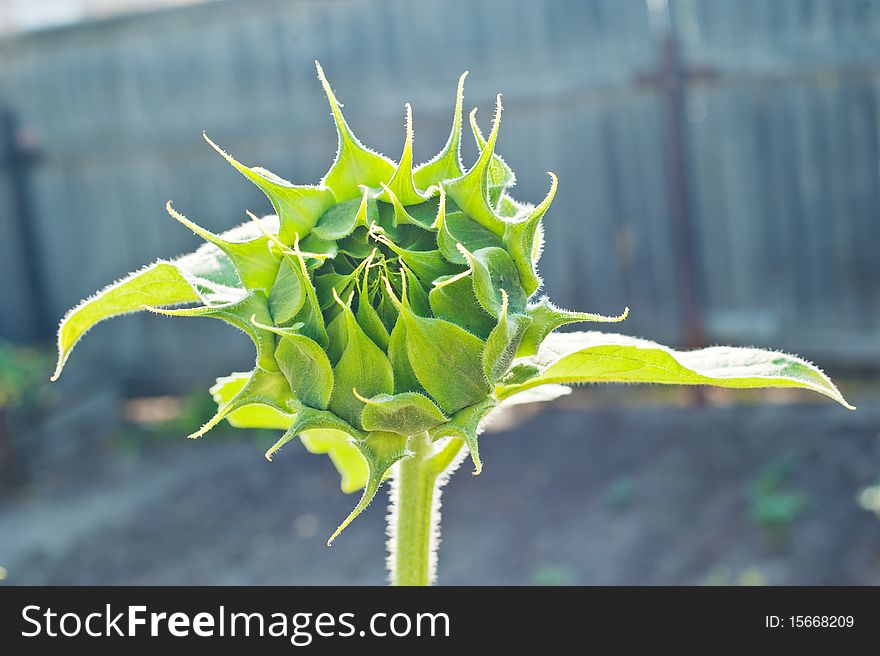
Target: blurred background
x,y
719,174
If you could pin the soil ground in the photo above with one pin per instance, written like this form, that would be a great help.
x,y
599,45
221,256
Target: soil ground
x,y
619,495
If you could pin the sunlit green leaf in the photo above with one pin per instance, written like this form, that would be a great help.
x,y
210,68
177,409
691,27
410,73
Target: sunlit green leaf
x,y
593,357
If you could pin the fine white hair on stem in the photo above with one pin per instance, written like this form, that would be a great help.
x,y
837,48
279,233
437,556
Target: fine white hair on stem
x,y
393,503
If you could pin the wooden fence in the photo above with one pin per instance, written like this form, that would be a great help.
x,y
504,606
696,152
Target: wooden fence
x,y
718,160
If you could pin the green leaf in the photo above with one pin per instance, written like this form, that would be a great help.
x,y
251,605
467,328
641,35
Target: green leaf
x,y
162,283
540,394
591,357
355,164
447,163
362,365
298,206
381,450
409,413
207,274
546,318
343,453
503,342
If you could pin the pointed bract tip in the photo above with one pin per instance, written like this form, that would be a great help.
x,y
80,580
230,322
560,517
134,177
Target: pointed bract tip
x,y
325,83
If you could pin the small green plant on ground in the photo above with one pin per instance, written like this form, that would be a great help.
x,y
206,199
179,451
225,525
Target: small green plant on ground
x,y
393,307
773,504
20,379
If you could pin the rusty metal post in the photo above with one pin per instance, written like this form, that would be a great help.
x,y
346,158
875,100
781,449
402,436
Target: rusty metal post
x,y
671,78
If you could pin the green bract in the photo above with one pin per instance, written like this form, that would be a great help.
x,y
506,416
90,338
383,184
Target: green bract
x,y
391,303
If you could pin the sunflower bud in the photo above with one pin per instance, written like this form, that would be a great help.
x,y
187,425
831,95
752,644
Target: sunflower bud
x,y
386,302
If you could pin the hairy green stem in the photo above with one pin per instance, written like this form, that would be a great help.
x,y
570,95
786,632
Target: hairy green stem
x,y
414,520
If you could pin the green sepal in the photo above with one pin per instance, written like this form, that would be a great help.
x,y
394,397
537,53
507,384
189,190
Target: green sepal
x,y
343,453
546,318
322,248
510,208
471,192
521,371
404,377
298,206
355,164
401,216
522,242
503,342
331,284
494,274
417,297
427,265
368,319
446,360
409,413
453,299
361,365
306,419
465,425
255,263
457,228
401,184
306,367
262,388
340,220
500,175
248,416
446,165
287,295
381,451
310,313
358,244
